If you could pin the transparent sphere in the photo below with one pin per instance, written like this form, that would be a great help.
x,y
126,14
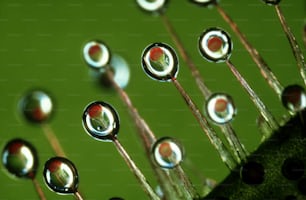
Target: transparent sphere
x,y
96,54
215,45
120,69
36,106
294,98
272,2
204,2
152,5
159,61
167,152
61,175
220,108
101,121
19,157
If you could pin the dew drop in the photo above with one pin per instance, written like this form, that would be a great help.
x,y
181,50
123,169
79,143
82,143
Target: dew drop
x,y
159,61
167,152
101,121
120,70
19,157
96,54
220,108
294,98
204,2
152,5
36,106
61,175
272,2
215,45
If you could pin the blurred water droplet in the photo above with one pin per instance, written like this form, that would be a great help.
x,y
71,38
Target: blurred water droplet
x,y
167,152
96,54
101,121
271,2
220,108
61,175
36,106
294,98
19,157
152,5
215,45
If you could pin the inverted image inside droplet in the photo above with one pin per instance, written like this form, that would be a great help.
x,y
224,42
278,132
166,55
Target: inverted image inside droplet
x,y
272,2
294,98
160,62
167,152
61,175
152,5
215,45
220,108
101,121
20,159
96,54
36,106
204,2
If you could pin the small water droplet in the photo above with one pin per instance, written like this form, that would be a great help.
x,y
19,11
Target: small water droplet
x,y
19,157
36,106
220,108
96,54
152,5
272,2
167,152
294,98
204,2
160,62
61,175
215,45
101,121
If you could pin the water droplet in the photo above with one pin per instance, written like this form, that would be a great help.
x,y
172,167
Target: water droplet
x,y
167,152
160,62
294,98
120,69
152,5
215,45
61,175
271,2
36,106
19,157
101,121
204,2
96,54
220,108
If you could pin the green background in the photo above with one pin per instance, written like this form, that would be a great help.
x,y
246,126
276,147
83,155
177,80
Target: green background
x,y
40,47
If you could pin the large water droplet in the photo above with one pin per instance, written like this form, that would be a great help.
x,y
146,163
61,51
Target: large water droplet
x,y
159,61
36,106
167,152
215,45
294,98
220,108
61,175
101,121
152,5
19,157
96,54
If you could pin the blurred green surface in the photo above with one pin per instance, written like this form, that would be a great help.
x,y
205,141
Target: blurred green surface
x,y
40,47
